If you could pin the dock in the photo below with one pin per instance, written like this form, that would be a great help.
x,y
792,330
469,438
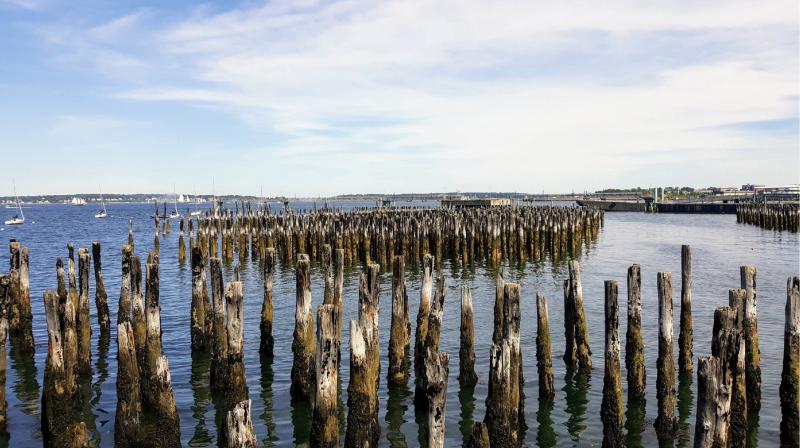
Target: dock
x,y
466,202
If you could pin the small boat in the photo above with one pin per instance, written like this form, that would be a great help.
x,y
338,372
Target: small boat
x,y
77,202
175,213
196,211
19,218
102,213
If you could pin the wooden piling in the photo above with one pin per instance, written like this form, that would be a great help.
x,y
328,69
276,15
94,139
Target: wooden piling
x,y
399,337
338,284
725,344
479,437
125,297
239,426
3,367
611,409
665,365
219,356
544,357
303,344
201,332
583,352
634,344
436,373
100,296
750,328
325,417
738,426
425,295
157,396
362,400
61,425
127,430
368,305
181,245
19,309
266,346
709,413
84,325
685,337
466,353
790,374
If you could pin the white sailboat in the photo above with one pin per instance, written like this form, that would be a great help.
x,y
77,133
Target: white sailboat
x,y
77,202
196,211
175,214
102,213
18,219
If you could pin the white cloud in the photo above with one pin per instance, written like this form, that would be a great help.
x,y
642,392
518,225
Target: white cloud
x,y
423,83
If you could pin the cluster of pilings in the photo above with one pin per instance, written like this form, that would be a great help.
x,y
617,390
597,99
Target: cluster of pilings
x,y
377,235
770,217
729,381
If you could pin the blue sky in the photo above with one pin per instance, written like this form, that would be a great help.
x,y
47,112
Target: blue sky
x,y
321,98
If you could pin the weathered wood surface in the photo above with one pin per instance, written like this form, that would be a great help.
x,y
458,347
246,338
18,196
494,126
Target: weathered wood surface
x,y
303,343
100,296
685,337
544,357
634,344
467,377
325,416
750,328
665,366
770,217
790,374
611,407
399,330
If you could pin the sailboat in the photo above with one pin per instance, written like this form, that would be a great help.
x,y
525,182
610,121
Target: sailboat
x,y
102,213
20,218
175,214
196,211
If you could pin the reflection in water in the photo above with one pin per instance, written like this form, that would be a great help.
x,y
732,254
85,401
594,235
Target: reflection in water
x,y
685,402
266,396
634,422
545,434
396,406
101,367
301,422
87,416
421,417
201,392
466,396
26,388
576,387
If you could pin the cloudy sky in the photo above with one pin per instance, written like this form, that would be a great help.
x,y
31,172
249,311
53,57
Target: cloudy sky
x,y
322,98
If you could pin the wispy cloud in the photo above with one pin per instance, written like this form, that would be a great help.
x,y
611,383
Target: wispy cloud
x,y
519,93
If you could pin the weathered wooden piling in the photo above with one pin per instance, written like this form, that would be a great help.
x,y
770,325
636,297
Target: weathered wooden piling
x,y
362,399
750,329
479,438
577,352
466,352
738,426
125,294
84,325
634,344
725,344
127,423
338,284
790,374
436,373
399,338
504,397
239,426
611,409
3,366
61,425
544,357
20,317
685,336
266,346
665,365
325,417
425,295
219,356
368,303
138,318
157,396
201,315
303,344
181,245
100,296
711,410
770,216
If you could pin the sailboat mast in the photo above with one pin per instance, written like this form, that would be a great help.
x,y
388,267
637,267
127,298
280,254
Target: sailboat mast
x,y
19,206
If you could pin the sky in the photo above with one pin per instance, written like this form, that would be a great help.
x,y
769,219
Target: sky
x,y
317,98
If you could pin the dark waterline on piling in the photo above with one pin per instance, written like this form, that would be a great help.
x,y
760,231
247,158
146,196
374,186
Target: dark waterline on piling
x,y
719,248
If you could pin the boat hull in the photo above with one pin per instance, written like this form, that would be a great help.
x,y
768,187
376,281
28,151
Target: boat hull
x,y
613,206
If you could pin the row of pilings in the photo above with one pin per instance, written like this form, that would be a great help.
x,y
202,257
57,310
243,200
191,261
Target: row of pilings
x,y
729,381
770,216
465,235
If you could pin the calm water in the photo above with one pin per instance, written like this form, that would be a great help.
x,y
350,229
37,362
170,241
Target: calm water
x,y
719,245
